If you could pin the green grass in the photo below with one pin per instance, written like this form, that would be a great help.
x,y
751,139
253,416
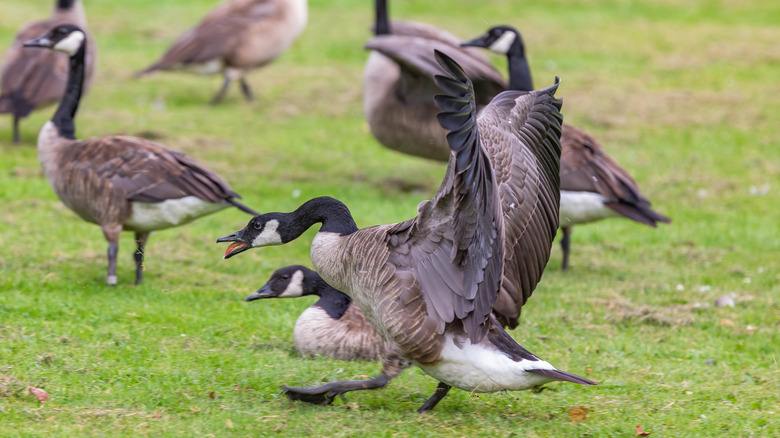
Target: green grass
x,y
683,95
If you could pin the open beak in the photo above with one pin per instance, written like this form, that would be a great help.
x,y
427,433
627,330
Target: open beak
x,y
239,245
41,41
263,292
476,42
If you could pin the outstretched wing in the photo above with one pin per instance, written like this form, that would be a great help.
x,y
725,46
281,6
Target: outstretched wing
x,y
520,132
454,247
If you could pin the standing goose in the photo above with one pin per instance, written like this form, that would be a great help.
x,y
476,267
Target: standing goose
x,y
429,285
399,87
32,78
333,326
593,185
120,182
237,36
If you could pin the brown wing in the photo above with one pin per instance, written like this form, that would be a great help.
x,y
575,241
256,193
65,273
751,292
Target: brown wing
x,y
415,55
454,246
585,167
216,34
520,132
149,172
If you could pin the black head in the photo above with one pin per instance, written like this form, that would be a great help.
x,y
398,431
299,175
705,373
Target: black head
x,y
500,39
262,230
66,38
288,282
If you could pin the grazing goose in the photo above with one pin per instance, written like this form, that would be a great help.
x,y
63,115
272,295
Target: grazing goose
x,y
429,285
120,182
33,78
333,326
399,87
593,186
237,36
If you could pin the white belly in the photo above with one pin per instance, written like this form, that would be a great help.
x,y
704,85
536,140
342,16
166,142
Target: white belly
x,y
206,68
583,207
479,369
170,213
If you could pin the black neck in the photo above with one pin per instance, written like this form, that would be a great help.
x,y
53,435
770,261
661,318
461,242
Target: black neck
x,y
519,71
331,213
333,301
65,4
63,118
382,22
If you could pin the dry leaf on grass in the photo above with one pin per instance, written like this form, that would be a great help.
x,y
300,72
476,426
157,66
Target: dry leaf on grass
x,y
578,413
640,432
39,393
212,395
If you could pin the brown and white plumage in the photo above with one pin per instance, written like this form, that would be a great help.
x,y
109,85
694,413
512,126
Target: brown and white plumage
x,y
593,185
120,182
429,285
235,37
399,84
334,326
32,78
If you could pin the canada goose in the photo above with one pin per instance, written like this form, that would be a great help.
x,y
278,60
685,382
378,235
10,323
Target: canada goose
x,y
32,78
235,37
593,185
120,182
399,88
428,285
333,326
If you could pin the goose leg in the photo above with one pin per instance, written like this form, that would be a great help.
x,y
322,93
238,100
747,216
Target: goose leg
x,y
16,129
325,394
565,246
140,244
111,233
221,93
434,399
246,90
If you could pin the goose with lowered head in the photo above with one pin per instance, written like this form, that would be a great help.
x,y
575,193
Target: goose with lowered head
x,y
593,185
428,285
120,182
35,78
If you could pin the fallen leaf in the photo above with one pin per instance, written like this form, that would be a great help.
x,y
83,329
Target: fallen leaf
x,y
578,413
588,370
363,376
228,423
640,432
41,394
212,395
49,419
727,322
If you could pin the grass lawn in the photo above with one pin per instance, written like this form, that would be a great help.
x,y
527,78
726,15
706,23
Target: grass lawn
x,y
683,94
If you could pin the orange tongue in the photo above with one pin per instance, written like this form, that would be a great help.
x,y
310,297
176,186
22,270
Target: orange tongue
x,y
234,245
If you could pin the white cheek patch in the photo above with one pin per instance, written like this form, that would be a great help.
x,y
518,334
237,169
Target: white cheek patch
x,y
503,43
269,236
295,287
71,44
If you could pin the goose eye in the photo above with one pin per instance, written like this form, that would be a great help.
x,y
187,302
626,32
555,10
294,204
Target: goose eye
x,y
285,277
258,225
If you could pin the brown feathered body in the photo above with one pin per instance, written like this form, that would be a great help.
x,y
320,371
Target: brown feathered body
x,y
238,35
349,337
33,78
399,87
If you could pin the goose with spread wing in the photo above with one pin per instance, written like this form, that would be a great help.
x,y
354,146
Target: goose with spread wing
x,y
429,285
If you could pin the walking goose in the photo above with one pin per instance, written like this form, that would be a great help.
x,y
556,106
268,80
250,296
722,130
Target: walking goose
x,y
399,87
428,285
333,326
235,37
120,182
593,185
32,78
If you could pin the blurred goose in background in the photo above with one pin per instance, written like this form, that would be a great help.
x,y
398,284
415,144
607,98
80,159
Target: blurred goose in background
x,y
429,285
593,185
333,326
235,37
120,182
399,87
35,78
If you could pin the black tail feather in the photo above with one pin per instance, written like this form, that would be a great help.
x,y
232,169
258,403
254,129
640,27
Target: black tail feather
x,y
563,375
242,207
